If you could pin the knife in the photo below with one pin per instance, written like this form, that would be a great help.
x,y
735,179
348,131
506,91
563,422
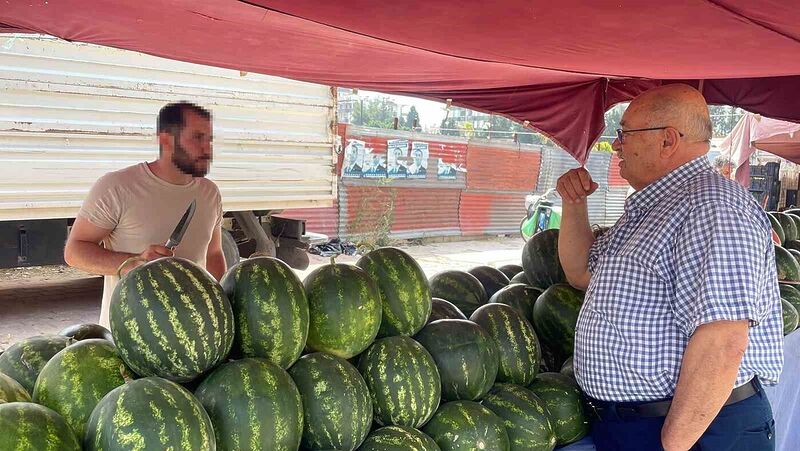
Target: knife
x,y
180,229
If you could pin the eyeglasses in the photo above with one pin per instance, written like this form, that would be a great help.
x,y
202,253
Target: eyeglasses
x,y
621,132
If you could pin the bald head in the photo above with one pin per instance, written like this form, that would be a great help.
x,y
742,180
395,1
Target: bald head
x,y
679,106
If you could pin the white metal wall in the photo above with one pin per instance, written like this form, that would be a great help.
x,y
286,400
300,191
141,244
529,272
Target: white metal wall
x,y
70,112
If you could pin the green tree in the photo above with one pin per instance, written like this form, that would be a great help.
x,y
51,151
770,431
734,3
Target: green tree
x,y
378,112
612,118
449,127
724,118
412,118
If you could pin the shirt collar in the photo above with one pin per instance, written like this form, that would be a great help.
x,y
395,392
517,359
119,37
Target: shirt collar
x,y
654,192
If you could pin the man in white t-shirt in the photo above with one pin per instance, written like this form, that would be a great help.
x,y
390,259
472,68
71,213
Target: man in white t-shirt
x,y
132,212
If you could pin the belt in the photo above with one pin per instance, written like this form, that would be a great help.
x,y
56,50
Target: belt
x,y
627,411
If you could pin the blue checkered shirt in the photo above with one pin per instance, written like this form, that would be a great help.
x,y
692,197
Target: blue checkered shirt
x,y
690,249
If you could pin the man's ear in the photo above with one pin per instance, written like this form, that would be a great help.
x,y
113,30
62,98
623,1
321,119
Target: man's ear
x,y
670,142
165,141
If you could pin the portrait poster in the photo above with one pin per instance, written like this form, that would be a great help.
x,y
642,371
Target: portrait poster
x,y
446,170
397,158
418,162
353,159
374,164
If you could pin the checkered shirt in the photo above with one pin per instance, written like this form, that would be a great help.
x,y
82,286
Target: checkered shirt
x,y
690,249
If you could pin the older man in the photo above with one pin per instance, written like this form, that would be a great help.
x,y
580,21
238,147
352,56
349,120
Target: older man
x,y
682,319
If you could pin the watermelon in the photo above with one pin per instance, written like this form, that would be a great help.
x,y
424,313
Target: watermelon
x,y
171,319
405,293
466,356
568,368
792,245
520,278
510,270
86,331
515,339
442,309
467,426
30,427
790,317
149,413
563,400
518,295
336,402
345,310
789,228
492,279
270,310
540,260
791,294
12,391
23,360
398,438
796,254
776,226
796,219
555,316
525,417
787,266
461,288
254,405
793,211
74,381
403,381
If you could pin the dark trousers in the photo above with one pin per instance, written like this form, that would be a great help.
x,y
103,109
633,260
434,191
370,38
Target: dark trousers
x,y
744,426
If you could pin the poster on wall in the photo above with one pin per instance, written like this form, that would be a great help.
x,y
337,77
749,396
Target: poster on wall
x,y
397,157
353,159
418,167
374,164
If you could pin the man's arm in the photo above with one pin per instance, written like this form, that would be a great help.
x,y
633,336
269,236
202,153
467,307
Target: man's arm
x,y
708,372
215,257
575,237
83,250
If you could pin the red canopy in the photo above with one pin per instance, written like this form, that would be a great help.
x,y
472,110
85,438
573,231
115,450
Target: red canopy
x,y
558,66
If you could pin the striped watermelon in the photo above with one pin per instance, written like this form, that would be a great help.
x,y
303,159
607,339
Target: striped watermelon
x,y
796,254
171,319
442,309
776,226
86,331
564,404
466,356
520,296
788,225
492,279
790,317
555,316
345,310
27,426
405,293
520,278
787,266
525,416
510,270
75,380
23,360
254,405
336,402
796,219
403,381
568,368
270,310
467,426
792,245
791,294
149,413
398,438
12,391
540,260
515,340
461,288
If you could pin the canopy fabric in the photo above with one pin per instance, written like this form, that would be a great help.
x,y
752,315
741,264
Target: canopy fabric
x,y
558,67
753,132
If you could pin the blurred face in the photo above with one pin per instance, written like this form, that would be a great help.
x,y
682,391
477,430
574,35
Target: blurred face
x,y
418,158
726,171
639,153
193,152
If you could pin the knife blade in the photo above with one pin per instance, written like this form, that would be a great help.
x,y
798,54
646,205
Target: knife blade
x,y
177,234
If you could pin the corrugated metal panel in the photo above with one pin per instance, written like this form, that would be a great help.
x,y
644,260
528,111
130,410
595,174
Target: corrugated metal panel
x,y
615,204
319,220
491,213
556,162
407,212
71,112
503,169
614,179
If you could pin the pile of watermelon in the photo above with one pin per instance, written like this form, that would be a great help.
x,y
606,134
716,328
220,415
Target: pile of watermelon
x,y
786,236
371,356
